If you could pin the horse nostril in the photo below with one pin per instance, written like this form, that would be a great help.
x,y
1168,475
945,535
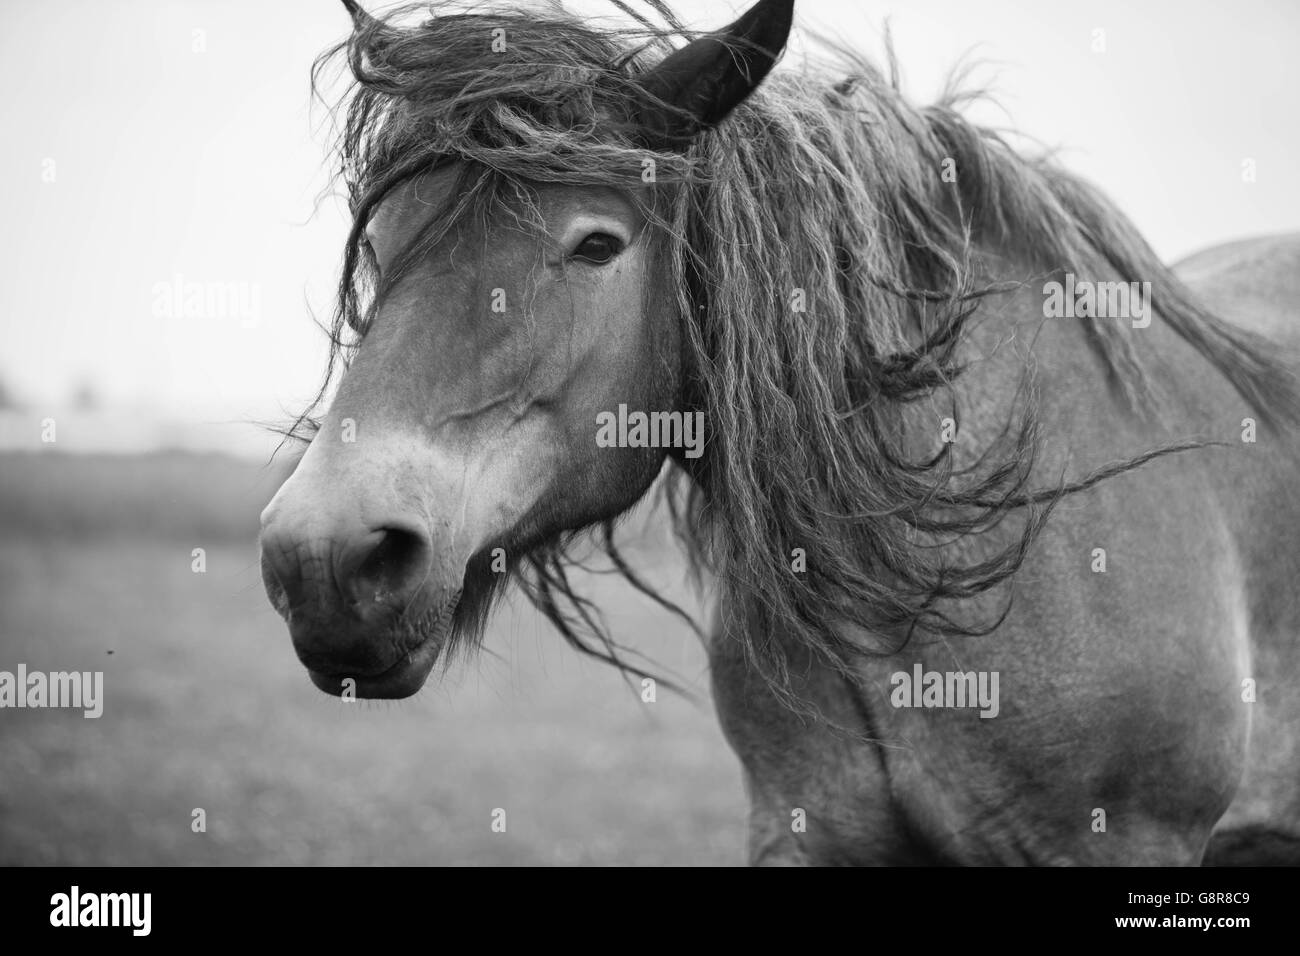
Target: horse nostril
x,y
394,569
271,582
281,573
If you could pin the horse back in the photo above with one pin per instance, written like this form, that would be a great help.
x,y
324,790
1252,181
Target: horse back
x,y
1253,283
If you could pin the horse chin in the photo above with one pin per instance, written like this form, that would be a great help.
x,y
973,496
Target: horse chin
x,y
405,677
401,680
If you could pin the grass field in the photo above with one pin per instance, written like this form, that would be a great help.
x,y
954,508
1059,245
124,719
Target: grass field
x,y
207,707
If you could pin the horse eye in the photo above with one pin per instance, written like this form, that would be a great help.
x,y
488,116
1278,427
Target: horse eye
x,y
599,247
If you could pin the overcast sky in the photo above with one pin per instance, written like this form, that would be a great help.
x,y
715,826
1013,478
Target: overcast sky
x,y
137,150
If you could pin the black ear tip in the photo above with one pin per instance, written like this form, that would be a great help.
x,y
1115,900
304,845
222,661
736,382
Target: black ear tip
x,y
360,19
786,9
705,80
774,19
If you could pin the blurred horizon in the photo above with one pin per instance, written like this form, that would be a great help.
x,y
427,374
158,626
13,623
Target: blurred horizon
x,y
82,427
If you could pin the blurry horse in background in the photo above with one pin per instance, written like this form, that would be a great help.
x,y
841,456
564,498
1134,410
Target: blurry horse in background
x,y
917,487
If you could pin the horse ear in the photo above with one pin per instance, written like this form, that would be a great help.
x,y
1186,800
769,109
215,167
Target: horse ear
x,y
696,87
360,19
367,36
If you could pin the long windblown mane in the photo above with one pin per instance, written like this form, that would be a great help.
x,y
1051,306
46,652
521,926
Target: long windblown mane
x,y
824,181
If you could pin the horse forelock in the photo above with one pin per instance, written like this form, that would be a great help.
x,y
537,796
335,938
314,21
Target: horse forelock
x,y
823,271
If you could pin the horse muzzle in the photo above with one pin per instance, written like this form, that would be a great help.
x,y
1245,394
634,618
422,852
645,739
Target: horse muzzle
x,y
369,606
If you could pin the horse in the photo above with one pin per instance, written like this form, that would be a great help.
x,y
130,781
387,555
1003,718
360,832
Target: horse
x,y
998,510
